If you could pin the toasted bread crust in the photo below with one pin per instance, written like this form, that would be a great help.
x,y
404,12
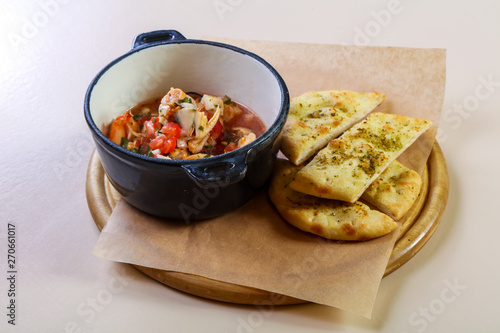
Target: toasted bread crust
x,y
394,191
317,117
332,219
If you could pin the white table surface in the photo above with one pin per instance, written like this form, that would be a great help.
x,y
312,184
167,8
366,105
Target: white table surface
x,y
51,49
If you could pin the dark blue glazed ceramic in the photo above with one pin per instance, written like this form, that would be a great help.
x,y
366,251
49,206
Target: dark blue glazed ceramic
x,y
187,189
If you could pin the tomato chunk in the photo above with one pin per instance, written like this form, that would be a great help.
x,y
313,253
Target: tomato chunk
x,y
230,147
217,130
171,130
152,126
169,146
157,143
167,140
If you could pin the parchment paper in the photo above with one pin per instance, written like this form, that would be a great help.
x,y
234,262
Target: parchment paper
x,y
254,246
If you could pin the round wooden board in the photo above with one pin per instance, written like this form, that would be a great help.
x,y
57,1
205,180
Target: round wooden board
x,y
417,227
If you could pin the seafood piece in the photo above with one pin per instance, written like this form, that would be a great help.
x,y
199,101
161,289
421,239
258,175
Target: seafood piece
x,y
170,102
212,102
186,119
245,135
191,117
246,139
231,110
123,126
179,154
203,129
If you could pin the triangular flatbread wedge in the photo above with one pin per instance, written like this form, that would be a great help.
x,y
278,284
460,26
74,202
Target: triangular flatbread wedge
x,y
317,117
330,219
394,192
345,168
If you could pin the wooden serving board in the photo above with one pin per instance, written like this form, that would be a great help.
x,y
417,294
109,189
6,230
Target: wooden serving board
x,y
417,226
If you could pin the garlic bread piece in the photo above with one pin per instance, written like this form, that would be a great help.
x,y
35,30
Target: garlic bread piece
x,y
327,218
317,117
345,168
395,191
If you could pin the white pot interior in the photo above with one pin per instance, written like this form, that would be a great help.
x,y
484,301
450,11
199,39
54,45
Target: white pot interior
x,y
202,68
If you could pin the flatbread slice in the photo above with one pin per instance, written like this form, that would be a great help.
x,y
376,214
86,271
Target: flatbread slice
x,y
317,117
394,192
330,219
345,168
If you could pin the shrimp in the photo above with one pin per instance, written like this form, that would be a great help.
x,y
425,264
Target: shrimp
x,y
170,102
172,97
123,126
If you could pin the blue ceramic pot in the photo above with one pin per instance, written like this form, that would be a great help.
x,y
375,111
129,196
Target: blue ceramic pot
x,y
187,189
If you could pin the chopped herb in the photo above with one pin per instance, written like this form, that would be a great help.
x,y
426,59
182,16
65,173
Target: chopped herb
x,y
149,153
185,100
137,116
124,143
207,155
315,114
153,120
227,100
201,128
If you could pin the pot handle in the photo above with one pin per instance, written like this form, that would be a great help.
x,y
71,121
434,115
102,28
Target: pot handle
x,y
157,36
218,174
